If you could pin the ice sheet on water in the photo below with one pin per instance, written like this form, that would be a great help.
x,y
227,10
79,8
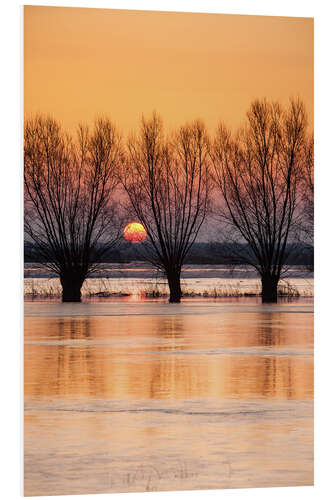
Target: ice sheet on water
x,y
138,269
140,342
226,408
162,308
235,351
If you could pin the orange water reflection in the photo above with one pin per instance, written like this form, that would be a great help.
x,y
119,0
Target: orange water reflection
x,y
169,357
211,396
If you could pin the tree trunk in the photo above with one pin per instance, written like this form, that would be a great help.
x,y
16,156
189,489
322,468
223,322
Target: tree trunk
x,y
269,288
71,287
174,286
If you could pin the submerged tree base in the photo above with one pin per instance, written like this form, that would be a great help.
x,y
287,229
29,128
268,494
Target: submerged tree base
x,y
175,288
71,299
269,300
174,300
269,292
71,292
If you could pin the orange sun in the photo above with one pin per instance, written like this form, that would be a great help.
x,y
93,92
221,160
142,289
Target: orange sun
x,y
135,232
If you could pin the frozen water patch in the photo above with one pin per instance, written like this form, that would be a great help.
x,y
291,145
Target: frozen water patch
x,y
192,407
154,308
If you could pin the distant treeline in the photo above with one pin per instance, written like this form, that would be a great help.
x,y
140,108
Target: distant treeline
x,y
200,253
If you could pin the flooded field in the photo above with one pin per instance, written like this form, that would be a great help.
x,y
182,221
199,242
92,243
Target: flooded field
x,y
144,395
137,280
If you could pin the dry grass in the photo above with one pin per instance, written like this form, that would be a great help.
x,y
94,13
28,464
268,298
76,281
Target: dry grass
x,y
51,289
287,290
33,290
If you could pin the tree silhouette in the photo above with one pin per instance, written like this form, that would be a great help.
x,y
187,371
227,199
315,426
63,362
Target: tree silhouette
x,y
308,189
70,214
258,175
167,183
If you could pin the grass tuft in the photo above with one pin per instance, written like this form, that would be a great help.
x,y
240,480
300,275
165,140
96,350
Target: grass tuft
x,y
102,288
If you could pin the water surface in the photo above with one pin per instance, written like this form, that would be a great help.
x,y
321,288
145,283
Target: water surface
x,y
135,396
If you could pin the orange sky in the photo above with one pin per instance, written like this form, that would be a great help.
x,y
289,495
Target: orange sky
x,y
80,63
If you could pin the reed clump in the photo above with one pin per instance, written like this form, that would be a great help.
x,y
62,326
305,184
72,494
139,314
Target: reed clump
x,y
288,290
104,288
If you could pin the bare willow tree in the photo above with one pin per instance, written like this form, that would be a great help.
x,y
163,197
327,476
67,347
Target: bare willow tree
x,y
167,183
308,189
258,176
70,215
